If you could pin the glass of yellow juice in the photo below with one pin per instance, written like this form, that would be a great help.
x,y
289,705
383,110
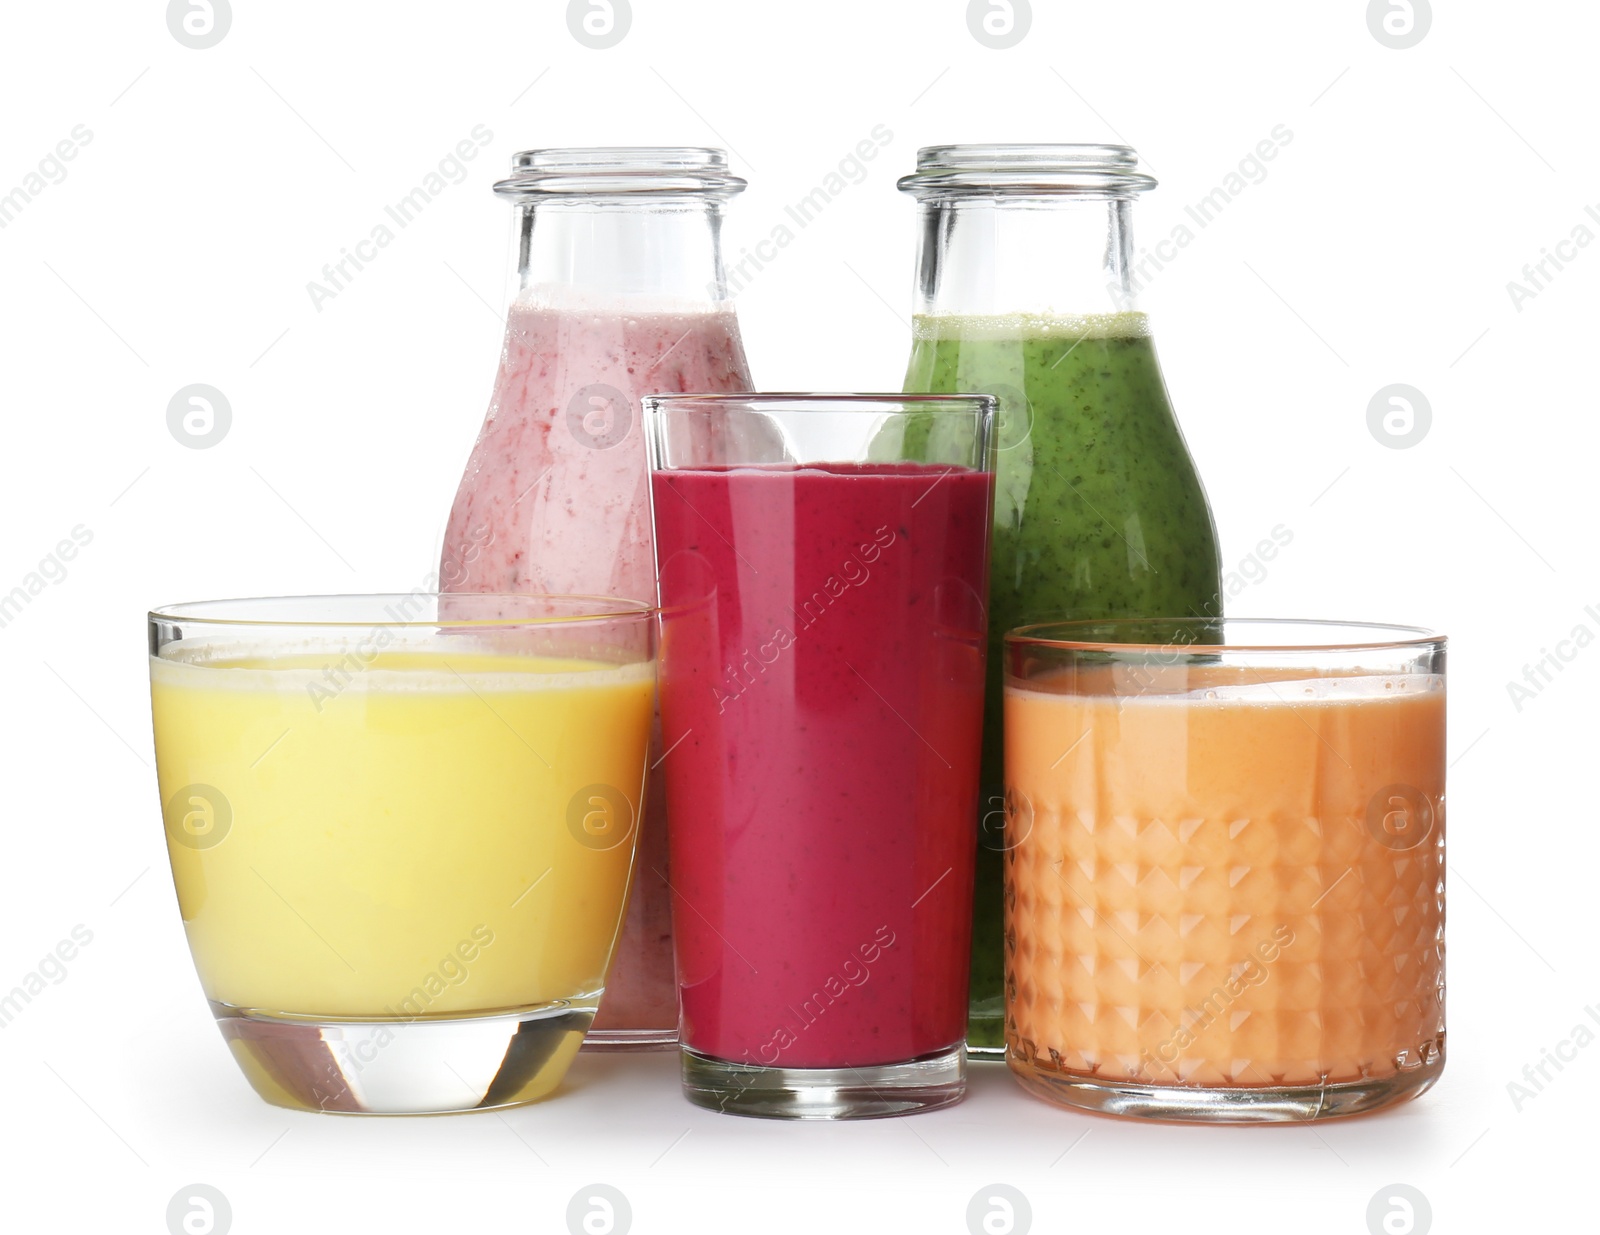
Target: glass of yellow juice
x,y
1224,866
402,833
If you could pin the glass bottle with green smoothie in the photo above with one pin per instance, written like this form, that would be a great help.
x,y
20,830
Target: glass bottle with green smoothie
x,y
1025,290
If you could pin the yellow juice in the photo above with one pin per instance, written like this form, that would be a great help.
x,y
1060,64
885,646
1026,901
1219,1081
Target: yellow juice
x,y
436,833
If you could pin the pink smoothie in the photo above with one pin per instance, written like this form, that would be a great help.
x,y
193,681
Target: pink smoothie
x,y
555,498
822,701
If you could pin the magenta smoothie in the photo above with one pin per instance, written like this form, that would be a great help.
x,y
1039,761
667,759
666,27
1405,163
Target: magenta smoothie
x,y
822,701
555,498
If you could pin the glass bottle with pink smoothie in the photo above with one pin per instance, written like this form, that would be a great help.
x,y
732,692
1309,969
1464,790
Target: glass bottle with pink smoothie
x,y
620,292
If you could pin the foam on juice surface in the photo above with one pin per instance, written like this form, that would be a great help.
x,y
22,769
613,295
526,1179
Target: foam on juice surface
x,y
1133,685
416,670
1130,325
1317,690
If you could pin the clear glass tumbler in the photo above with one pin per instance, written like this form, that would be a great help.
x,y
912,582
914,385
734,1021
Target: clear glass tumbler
x,y
402,830
823,562
1224,880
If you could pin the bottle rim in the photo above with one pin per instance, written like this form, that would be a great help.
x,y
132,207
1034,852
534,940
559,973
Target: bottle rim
x,y
1027,169
588,171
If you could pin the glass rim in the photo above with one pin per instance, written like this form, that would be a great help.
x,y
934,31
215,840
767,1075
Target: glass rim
x,y
826,401
1037,634
195,612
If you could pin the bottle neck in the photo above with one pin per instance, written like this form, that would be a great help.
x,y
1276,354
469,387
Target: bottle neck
x,y
662,253
1056,256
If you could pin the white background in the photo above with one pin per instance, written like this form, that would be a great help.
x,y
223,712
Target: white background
x,y
1377,250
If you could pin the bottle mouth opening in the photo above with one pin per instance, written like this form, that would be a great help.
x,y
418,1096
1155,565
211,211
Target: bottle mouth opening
x,y
1027,169
580,171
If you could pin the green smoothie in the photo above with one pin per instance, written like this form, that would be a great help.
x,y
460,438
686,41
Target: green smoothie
x,y
1098,513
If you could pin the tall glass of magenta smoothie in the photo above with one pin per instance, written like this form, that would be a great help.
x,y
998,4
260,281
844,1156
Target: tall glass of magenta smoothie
x,y
619,290
402,830
1028,283
1225,892
823,566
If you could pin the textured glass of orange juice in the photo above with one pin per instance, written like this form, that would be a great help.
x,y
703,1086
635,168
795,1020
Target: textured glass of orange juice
x,y
401,833
1225,866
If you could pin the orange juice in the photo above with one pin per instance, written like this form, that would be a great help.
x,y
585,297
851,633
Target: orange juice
x,y
1239,884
